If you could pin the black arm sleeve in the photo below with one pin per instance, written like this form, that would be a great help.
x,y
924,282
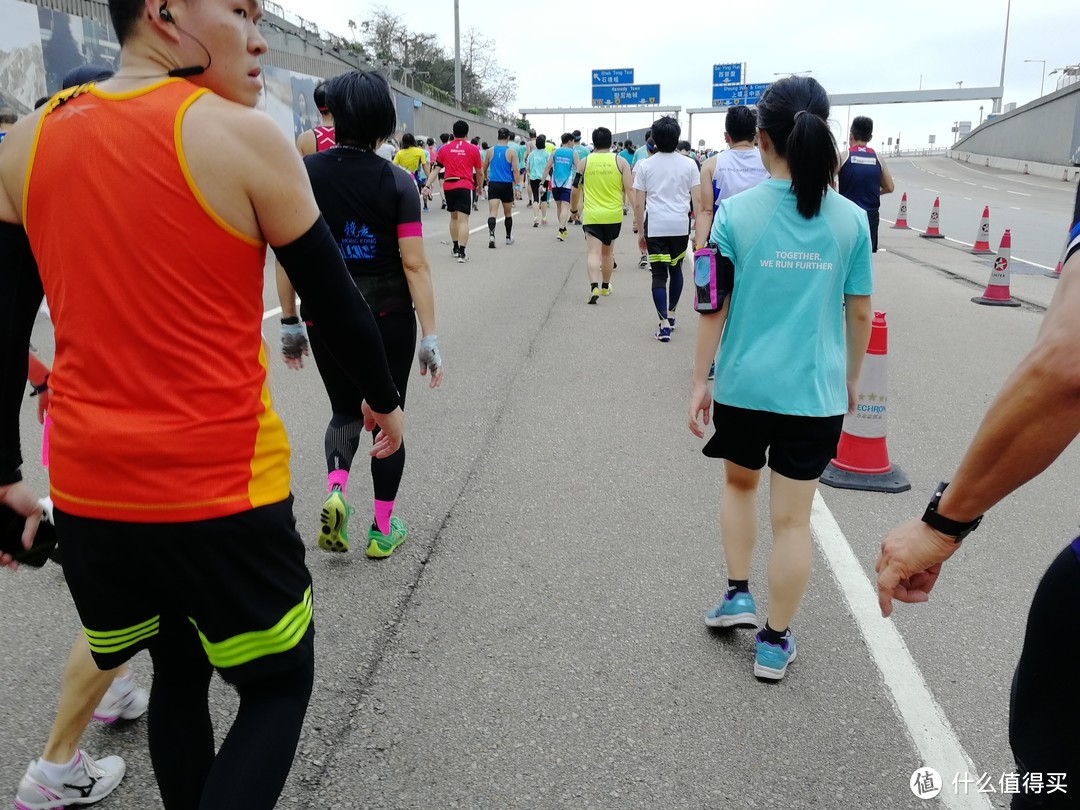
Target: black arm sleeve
x,y
20,297
314,265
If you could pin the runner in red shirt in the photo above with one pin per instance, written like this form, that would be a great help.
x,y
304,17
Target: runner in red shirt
x,y
463,173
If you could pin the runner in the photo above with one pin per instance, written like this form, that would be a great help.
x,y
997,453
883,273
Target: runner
x,y
1032,421
560,167
605,180
501,167
727,173
781,373
530,147
444,138
580,153
538,161
374,214
665,186
641,153
863,175
463,174
413,159
522,152
627,154
223,584
321,137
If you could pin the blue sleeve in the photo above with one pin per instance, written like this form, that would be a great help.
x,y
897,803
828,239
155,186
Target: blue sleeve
x,y
860,275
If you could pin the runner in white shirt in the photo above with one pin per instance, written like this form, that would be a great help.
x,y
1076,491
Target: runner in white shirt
x,y
665,187
726,174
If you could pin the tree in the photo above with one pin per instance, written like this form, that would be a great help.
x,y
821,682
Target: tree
x,y
484,82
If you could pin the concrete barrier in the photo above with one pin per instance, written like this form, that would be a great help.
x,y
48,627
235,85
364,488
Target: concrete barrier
x,y
1052,170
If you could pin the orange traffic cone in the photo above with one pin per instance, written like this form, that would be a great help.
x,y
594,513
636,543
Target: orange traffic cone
x,y
997,289
933,230
862,456
1056,272
901,217
982,239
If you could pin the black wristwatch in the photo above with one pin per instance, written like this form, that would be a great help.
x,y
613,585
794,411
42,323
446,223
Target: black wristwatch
x,y
953,528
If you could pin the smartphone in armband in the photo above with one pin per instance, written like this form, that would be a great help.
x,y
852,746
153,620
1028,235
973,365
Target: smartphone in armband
x,y
11,529
708,298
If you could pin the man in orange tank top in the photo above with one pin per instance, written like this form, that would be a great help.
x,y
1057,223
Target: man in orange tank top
x,y
171,487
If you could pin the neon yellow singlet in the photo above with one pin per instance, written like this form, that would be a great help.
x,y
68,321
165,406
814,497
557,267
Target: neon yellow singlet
x,y
603,190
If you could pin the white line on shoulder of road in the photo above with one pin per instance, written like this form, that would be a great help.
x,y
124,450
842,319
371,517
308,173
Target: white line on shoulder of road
x,y
932,191
934,737
1001,176
969,183
969,244
1017,193
969,200
992,188
1014,208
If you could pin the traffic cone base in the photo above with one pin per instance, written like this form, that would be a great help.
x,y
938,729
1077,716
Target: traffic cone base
x,y
891,482
995,302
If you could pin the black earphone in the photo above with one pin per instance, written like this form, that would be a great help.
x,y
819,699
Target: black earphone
x,y
166,15
193,70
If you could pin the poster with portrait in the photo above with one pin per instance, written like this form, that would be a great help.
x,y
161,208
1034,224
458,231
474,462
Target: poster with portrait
x,y
69,42
22,69
276,100
305,114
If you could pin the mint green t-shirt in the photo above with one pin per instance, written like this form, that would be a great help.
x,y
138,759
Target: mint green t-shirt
x,y
783,347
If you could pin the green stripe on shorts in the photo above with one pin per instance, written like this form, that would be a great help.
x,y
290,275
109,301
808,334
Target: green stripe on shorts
x,y
247,647
104,642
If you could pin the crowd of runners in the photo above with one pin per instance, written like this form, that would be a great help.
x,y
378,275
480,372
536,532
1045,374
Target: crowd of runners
x,y
191,449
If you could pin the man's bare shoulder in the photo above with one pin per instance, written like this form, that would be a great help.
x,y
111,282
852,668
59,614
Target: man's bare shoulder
x,y
15,152
234,128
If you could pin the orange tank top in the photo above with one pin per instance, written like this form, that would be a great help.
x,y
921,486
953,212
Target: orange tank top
x,y
159,396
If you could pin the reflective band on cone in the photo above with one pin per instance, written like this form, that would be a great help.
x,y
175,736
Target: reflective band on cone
x,y
982,238
901,217
997,289
933,230
862,456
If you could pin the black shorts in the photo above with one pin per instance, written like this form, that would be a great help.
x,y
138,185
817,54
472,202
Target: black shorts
x,y
238,581
501,191
667,250
459,199
800,447
606,233
561,195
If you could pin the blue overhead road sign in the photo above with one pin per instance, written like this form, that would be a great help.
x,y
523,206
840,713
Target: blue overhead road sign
x,y
730,73
616,76
618,95
728,95
754,92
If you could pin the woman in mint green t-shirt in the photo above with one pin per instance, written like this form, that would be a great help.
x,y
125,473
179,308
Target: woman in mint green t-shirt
x,y
796,259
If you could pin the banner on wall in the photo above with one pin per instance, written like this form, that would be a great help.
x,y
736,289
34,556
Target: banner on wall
x,y
22,67
68,42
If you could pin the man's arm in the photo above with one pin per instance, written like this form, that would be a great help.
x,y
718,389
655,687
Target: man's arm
x,y
306,144
887,184
705,203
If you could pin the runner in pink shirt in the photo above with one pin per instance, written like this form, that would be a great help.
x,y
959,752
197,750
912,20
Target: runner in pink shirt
x,y
463,173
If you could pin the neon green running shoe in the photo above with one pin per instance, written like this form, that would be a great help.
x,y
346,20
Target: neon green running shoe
x,y
380,545
334,522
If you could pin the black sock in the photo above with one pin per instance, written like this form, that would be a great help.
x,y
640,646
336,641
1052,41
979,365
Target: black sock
x,y
605,285
592,287
771,636
735,586
491,226
509,223
456,246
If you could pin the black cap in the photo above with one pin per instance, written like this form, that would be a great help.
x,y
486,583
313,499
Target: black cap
x,y
85,74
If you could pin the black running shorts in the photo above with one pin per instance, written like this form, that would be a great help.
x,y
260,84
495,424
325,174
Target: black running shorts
x,y
239,580
459,199
799,447
667,250
504,192
606,233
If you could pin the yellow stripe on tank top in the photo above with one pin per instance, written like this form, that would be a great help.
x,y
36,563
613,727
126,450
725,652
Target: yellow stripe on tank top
x,y
270,456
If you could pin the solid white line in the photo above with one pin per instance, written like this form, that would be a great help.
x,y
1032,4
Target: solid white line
x,y
934,737
1001,176
969,244
1018,193
932,190
992,188
969,183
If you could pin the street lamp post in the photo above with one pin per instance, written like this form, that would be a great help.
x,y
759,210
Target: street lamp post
x,y
457,53
1042,73
792,73
1004,53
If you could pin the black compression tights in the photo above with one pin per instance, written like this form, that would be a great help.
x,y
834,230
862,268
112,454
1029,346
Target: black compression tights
x,y
343,432
250,769
1044,712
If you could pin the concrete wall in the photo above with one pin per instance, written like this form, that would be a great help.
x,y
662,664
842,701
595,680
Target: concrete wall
x,y
1045,131
296,48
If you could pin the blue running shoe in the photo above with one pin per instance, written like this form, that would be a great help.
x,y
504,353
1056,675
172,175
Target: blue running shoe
x,y
771,661
737,610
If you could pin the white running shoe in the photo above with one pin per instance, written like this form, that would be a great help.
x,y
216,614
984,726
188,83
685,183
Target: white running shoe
x,y
124,701
87,782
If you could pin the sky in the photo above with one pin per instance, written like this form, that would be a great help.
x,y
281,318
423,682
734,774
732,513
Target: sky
x,y
872,47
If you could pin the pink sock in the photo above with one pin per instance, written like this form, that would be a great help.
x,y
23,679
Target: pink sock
x,y
383,510
337,478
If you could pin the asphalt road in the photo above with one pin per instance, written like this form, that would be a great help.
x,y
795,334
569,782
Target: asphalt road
x,y
1036,210
538,641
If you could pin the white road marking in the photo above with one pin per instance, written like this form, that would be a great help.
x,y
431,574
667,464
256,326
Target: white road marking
x,y
969,183
969,199
1014,208
932,190
969,244
992,188
934,737
270,313
1000,176
1018,193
